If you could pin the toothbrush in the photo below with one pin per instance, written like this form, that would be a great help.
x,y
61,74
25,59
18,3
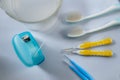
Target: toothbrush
x,y
113,8
103,53
82,32
86,45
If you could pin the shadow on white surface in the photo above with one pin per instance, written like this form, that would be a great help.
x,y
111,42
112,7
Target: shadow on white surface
x,y
55,67
9,67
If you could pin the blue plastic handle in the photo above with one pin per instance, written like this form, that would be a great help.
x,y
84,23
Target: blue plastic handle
x,y
80,69
78,73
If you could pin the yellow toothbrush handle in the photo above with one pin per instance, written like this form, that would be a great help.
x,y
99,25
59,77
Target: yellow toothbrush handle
x,y
105,41
106,53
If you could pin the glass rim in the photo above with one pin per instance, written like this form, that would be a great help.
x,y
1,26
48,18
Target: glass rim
x,y
55,12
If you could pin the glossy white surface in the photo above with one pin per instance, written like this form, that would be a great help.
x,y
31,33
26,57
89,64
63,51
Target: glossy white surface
x,y
101,68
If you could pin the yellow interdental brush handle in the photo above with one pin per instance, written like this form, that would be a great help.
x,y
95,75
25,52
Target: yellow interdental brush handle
x,y
105,53
86,45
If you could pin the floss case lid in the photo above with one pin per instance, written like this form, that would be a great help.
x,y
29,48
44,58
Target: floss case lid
x,y
27,49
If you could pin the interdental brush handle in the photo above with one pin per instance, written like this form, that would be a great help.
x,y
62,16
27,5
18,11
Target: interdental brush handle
x,y
104,53
86,45
83,74
78,73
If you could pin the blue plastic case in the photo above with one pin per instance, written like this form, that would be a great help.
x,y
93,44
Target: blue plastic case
x,y
27,49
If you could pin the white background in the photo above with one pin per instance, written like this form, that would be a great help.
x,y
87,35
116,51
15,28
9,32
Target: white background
x,y
101,68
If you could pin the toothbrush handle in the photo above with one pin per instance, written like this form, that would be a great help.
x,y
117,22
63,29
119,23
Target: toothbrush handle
x,y
105,41
78,73
105,53
111,9
82,71
110,24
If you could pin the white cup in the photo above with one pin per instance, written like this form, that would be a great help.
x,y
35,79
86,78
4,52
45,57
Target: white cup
x,y
40,15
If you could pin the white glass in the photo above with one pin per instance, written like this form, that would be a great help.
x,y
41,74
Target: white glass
x,y
38,14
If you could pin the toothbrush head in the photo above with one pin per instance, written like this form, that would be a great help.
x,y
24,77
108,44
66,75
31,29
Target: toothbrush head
x,y
76,32
73,17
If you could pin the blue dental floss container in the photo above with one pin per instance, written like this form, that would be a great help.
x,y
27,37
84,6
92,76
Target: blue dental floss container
x,y
27,49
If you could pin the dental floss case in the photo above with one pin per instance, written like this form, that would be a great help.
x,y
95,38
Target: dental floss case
x,y
27,49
